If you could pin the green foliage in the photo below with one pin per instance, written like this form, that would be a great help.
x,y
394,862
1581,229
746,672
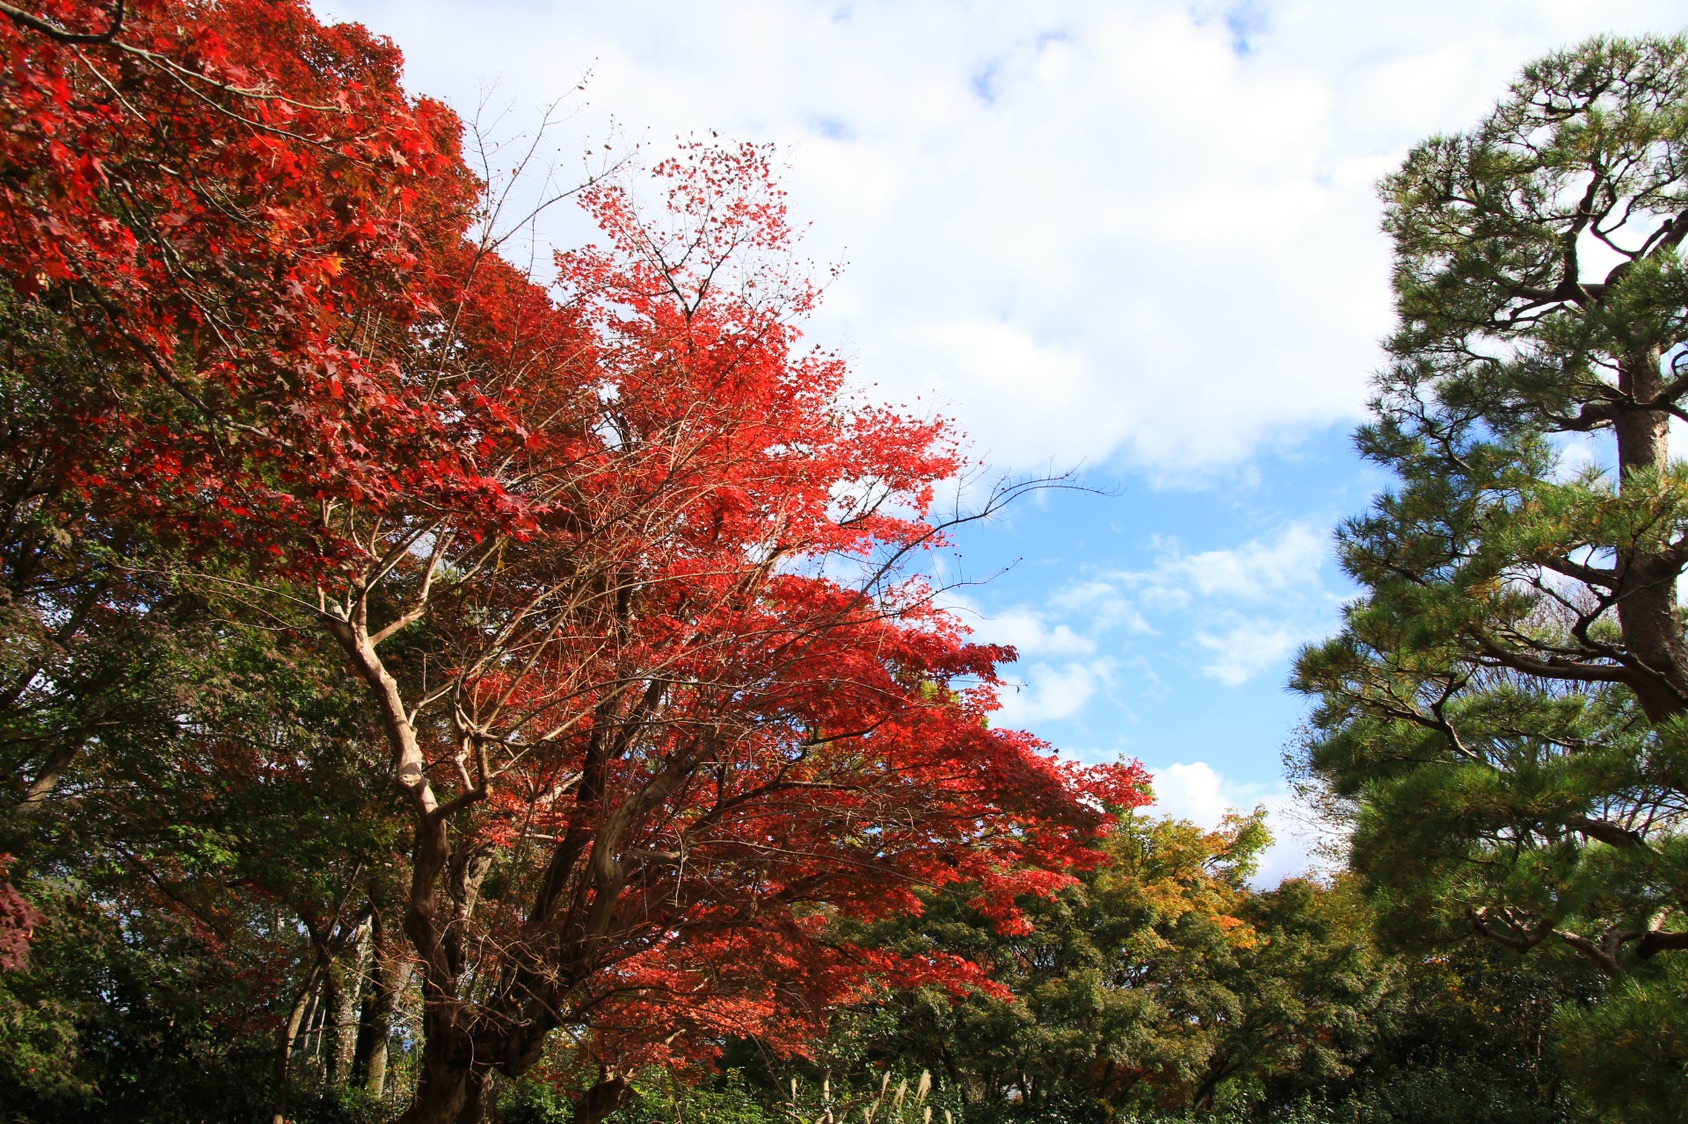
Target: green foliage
x,y
1161,982
535,1102
126,1019
1503,705
1467,1038
187,851
1161,977
1627,1055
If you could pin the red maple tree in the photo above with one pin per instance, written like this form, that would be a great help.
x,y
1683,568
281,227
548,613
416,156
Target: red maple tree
x,y
683,715
206,213
622,571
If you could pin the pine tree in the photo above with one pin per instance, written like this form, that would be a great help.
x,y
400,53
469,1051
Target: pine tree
x,y
1506,706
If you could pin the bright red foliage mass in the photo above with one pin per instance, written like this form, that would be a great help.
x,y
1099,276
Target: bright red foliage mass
x,y
620,570
218,199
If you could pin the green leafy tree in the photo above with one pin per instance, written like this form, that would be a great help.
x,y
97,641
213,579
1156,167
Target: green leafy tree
x,y
1466,1037
1161,983
1505,710
1504,706
204,866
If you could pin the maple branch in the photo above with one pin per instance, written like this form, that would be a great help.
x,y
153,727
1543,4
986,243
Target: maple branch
x,y
419,606
1002,493
36,793
474,791
189,80
62,35
60,638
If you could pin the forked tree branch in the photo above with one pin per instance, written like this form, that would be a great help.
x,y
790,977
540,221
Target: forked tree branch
x,y
60,34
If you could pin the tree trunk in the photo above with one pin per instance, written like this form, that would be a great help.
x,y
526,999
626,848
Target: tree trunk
x,y
37,792
1647,589
453,1078
375,1030
460,1072
610,1093
310,1042
446,1083
442,1095
284,1050
347,994
482,1106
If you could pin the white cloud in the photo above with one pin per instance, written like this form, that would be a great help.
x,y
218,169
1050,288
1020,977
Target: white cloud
x,y
1192,792
1102,604
1250,648
1030,633
1045,692
1198,792
1241,611
1247,607
1090,229
1253,572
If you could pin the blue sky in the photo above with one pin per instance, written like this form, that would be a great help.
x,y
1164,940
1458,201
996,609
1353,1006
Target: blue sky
x,y
1135,238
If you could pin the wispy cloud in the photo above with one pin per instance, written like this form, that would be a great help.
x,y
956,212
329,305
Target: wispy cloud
x,y
1255,571
1244,608
1250,648
1232,615
1250,606
1030,632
